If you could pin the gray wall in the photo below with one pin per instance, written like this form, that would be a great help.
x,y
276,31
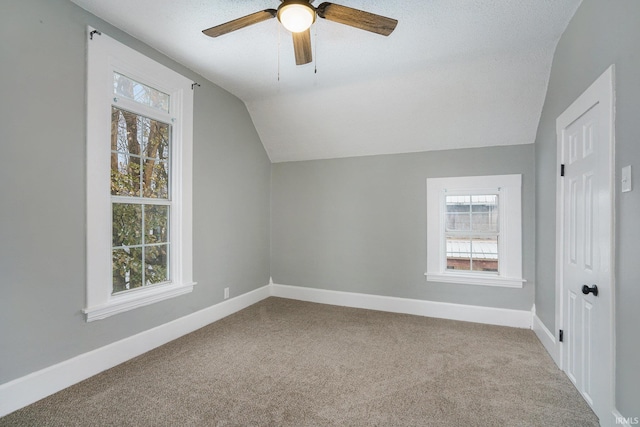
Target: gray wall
x,y
42,193
601,33
359,224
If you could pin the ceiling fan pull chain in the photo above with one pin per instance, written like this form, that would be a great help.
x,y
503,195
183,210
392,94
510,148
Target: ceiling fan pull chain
x,y
315,42
278,52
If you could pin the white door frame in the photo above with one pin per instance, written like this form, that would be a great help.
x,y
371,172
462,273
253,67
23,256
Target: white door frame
x,y
600,92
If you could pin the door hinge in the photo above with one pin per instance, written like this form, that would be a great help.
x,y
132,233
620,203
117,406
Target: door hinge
x,y
561,170
561,335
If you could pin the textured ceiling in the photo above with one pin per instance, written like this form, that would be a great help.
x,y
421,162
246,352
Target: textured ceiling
x,y
454,73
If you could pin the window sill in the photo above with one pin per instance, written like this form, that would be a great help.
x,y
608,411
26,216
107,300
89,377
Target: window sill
x,y
475,279
130,300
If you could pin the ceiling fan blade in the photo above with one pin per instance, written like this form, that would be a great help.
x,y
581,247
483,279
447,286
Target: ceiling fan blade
x,y
357,18
239,23
302,47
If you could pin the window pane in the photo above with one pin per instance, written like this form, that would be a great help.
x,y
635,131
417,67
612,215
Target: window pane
x,y
156,224
458,221
458,254
124,131
127,224
156,264
458,208
136,91
484,217
127,269
156,179
485,254
476,254
125,175
154,138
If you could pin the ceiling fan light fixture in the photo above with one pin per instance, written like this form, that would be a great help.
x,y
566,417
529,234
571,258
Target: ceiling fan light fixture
x,y
296,15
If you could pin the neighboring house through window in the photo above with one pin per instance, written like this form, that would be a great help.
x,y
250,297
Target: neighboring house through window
x,y
474,231
139,156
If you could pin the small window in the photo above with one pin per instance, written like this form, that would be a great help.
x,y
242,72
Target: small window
x,y
473,230
139,183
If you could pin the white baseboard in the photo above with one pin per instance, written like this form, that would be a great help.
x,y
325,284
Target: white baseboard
x,y
545,336
443,310
37,385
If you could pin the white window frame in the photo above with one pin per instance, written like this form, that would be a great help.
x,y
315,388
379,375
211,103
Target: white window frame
x,y
104,56
509,189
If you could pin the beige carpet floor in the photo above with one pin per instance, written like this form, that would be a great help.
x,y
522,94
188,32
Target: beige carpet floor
x,y
290,363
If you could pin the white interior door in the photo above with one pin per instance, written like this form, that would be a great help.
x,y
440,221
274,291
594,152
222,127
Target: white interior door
x,y
585,140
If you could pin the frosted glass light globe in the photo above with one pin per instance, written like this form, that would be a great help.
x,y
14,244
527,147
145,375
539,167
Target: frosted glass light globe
x,y
296,17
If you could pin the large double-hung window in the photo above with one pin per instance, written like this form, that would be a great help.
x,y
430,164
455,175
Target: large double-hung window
x,y
140,178
139,139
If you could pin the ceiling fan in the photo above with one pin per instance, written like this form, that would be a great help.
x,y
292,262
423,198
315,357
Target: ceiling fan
x,y
297,17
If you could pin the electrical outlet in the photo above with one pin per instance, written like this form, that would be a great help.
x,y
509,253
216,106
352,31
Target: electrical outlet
x,y
626,179
226,293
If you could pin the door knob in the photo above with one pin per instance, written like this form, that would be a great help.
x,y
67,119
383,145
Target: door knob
x,y
593,289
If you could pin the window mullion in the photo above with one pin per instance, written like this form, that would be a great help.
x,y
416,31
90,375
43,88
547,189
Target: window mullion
x,y
140,200
471,234
141,169
134,107
144,237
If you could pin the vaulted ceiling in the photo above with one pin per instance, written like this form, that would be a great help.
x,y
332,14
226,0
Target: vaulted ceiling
x,y
454,73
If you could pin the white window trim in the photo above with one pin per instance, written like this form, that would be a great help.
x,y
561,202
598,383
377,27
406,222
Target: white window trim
x,y
104,56
508,188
